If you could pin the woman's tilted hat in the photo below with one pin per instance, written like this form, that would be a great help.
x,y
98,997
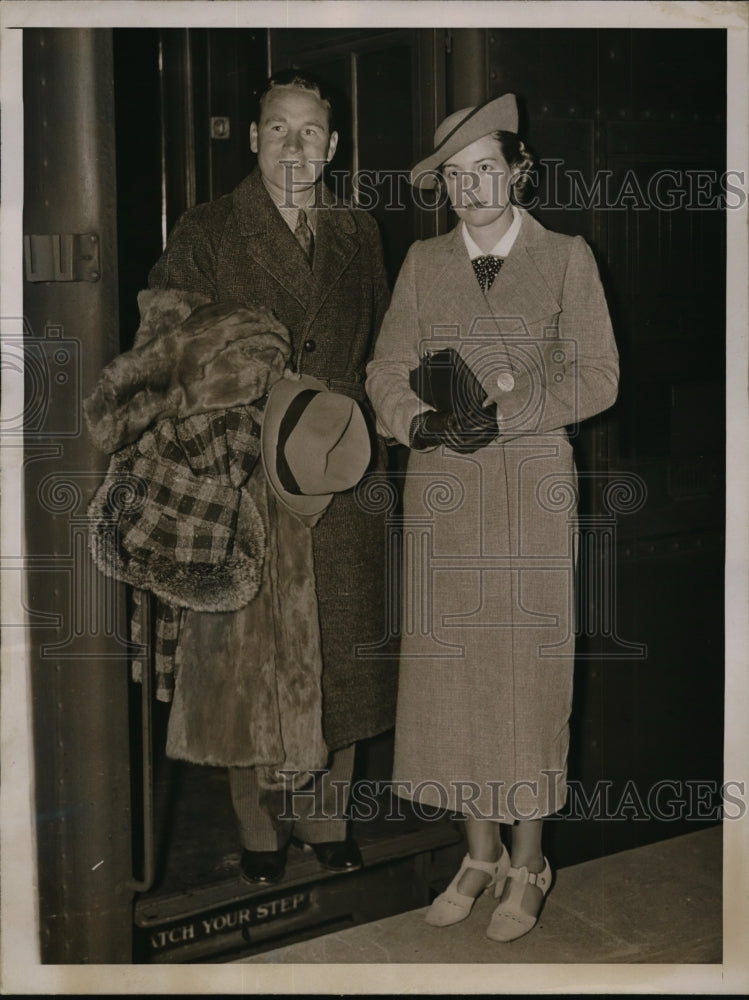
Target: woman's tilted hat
x,y
314,443
462,128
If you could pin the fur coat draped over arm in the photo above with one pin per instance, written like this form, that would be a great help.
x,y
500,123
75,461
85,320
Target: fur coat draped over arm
x,y
190,356
178,414
184,513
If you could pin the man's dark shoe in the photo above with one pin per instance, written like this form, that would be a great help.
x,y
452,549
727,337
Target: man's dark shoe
x,y
263,866
337,855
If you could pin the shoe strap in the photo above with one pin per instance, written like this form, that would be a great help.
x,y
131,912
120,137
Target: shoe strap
x,y
541,879
490,867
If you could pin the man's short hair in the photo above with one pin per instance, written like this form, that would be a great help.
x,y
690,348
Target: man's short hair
x,y
304,80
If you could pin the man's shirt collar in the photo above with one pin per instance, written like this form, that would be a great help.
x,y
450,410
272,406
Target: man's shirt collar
x,y
290,213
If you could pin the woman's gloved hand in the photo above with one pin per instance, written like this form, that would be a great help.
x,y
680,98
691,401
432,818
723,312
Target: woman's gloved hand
x,y
464,434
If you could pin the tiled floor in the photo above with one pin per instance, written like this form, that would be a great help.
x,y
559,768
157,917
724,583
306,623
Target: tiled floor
x,y
656,904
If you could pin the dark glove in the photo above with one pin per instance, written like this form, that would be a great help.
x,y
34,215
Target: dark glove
x,y
463,434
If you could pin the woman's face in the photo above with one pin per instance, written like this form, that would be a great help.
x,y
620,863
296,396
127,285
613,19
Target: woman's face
x,y
478,182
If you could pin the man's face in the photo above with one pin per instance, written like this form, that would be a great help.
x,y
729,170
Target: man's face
x,y
477,180
292,140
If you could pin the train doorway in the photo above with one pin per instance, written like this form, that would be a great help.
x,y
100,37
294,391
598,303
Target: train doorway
x,y
137,859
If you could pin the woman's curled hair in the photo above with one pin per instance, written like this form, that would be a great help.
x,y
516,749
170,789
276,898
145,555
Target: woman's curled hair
x,y
520,160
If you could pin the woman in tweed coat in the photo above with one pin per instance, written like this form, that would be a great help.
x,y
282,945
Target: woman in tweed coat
x,y
487,640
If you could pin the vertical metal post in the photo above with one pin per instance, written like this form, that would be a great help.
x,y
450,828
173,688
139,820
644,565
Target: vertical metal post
x,y
78,645
467,61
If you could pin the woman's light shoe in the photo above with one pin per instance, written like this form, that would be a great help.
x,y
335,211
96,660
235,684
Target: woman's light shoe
x,y
510,919
451,906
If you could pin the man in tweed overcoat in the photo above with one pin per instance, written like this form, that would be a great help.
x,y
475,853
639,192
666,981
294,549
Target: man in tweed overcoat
x,y
246,247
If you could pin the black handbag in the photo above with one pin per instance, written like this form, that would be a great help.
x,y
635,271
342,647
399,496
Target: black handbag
x,y
443,380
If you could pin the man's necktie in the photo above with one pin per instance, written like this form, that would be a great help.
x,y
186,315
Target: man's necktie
x,y
304,235
487,269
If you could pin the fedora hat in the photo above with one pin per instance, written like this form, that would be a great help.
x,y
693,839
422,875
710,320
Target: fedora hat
x,y
462,128
313,443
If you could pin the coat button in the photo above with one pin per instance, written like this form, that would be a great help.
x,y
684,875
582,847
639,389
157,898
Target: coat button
x,y
505,381
309,346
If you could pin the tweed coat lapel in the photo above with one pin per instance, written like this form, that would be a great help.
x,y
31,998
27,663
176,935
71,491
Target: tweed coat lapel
x,y
453,293
270,242
520,290
336,243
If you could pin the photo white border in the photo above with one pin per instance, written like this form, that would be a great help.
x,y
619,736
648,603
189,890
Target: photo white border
x,y
21,971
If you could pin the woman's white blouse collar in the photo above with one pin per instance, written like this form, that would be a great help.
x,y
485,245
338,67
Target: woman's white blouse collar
x,y
503,245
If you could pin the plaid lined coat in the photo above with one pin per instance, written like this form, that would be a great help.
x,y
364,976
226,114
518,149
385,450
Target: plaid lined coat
x,y
239,248
488,632
184,529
